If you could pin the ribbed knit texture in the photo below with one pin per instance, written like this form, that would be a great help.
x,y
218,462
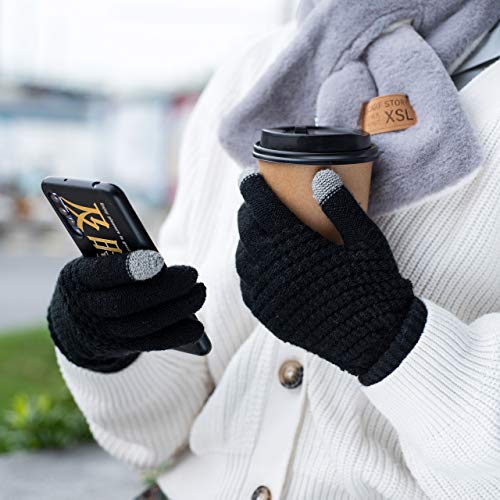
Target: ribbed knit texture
x,y
401,344
431,429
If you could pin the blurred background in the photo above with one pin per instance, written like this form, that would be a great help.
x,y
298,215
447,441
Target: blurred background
x,y
95,89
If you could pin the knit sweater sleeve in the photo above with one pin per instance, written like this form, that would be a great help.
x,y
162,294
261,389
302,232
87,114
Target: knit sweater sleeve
x,y
144,413
444,401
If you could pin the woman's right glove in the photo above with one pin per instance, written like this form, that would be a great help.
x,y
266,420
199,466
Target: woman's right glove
x,y
347,303
105,311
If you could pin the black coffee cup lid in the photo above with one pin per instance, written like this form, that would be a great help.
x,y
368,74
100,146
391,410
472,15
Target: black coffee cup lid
x,y
310,145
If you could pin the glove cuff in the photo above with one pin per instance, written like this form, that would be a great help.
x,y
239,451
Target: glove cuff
x,y
110,366
400,347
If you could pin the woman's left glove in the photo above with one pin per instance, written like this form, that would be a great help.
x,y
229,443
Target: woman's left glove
x,y
346,303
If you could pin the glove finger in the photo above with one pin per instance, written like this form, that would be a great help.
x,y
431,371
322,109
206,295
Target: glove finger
x,y
99,273
342,209
266,207
159,317
245,266
247,296
186,331
252,236
123,301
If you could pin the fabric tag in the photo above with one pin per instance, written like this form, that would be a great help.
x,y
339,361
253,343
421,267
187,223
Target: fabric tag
x,y
387,113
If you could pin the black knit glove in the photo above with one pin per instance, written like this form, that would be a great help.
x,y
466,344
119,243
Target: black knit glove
x,y
346,303
107,310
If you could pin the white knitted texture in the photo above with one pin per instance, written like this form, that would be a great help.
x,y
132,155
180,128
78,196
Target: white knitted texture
x,y
448,411
126,411
429,430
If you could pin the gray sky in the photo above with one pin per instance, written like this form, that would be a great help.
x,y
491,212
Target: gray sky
x,y
127,44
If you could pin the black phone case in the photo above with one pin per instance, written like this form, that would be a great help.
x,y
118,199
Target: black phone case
x,y
107,223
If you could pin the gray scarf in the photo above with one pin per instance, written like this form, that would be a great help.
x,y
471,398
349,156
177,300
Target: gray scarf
x,y
344,55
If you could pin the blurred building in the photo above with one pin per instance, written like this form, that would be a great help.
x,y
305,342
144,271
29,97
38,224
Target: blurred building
x,y
131,140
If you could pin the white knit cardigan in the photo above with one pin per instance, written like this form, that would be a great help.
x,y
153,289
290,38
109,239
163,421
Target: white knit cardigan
x,y
429,430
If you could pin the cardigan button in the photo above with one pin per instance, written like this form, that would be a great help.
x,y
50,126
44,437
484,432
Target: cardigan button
x,y
291,374
262,493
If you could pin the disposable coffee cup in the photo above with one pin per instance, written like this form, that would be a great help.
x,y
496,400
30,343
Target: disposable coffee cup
x,y
289,157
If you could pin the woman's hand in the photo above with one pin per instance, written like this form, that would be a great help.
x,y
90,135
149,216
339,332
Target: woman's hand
x,y
346,303
107,310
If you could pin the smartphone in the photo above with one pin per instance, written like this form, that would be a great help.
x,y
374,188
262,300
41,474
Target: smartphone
x,y
101,221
